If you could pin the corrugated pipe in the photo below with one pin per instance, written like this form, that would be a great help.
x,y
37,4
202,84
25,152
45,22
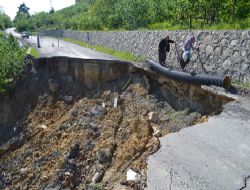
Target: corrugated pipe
x,y
198,79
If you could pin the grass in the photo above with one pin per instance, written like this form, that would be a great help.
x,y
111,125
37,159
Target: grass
x,y
199,25
119,54
33,52
98,186
163,26
242,84
1,151
240,24
4,149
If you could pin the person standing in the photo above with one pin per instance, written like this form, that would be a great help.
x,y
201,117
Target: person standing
x,y
164,47
186,51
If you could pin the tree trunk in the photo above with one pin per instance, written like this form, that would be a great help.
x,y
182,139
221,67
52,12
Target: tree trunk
x,y
190,21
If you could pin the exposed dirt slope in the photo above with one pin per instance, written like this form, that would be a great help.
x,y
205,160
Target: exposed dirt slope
x,y
71,144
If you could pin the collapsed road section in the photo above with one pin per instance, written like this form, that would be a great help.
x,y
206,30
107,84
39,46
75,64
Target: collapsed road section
x,y
212,155
91,124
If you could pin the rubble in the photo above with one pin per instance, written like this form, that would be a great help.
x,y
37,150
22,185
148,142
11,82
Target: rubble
x,y
97,177
153,117
42,126
131,175
104,156
115,101
157,132
68,99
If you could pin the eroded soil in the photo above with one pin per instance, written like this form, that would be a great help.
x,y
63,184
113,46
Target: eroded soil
x,y
87,143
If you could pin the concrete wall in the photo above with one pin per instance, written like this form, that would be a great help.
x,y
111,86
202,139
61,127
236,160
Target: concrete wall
x,y
222,52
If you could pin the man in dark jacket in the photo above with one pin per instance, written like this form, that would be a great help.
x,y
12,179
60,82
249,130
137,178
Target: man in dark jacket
x,y
164,47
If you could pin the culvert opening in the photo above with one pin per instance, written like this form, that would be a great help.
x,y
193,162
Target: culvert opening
x,y
74,133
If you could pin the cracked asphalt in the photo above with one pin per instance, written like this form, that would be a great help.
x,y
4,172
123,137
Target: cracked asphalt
x,y
246,181
210,156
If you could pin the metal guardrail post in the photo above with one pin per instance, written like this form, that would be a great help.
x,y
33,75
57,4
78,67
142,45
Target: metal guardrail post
x,y
38,41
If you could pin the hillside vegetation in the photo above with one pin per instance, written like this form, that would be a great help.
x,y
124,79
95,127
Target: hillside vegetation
x,y
5,21
11,61
143,14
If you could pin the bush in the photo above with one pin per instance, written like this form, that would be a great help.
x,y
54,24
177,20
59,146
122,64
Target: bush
x,y
11,62
5,21
88,22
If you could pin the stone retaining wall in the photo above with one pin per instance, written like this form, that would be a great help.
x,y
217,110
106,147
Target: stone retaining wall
x,y
222,52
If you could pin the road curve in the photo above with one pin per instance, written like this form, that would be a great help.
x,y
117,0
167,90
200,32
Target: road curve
x,y
49,48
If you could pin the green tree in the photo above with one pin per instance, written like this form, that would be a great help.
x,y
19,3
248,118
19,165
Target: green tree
x,y
11,62
5,21
23,9
135,14
21,18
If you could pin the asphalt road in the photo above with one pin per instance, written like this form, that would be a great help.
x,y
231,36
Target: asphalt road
x,y
50,48
212,156
13,32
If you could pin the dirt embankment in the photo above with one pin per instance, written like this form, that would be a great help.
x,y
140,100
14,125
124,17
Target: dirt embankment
x,y
87,142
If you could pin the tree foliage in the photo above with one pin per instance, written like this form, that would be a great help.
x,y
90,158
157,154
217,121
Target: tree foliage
x,y
23,9
21,19
12,60
5,21
134,14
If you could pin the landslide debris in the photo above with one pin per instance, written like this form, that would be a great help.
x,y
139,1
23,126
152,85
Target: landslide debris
x,y
87,142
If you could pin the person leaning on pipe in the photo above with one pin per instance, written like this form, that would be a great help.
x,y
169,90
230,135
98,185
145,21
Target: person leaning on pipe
x,y
164,47
186,52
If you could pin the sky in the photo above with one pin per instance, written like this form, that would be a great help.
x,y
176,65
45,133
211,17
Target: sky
x,y
10,6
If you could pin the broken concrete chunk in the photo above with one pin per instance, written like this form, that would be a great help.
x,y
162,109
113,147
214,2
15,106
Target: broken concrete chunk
x,y
98,110
42,126
116,101
97,177
68,99
67,173
157,132
131,175
153,117
104,155
23,170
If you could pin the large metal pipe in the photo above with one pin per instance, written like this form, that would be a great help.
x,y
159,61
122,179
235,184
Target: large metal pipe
x,y
198,79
